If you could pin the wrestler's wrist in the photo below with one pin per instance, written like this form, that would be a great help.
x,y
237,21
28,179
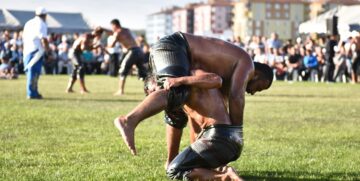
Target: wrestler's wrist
x,y
180,80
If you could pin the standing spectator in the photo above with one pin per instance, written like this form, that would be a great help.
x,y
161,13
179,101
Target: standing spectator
x,y
329,55
319,51
114,57
340,63
293,62
63,54
311,64
273,41
35,45
356,58
238,42
51,59
16,39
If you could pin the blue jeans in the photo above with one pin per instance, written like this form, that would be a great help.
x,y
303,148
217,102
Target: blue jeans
x,y
33,74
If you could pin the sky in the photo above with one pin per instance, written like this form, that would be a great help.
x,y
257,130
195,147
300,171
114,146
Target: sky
x,y
131,13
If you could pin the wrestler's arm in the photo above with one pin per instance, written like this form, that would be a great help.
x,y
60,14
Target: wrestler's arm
x,y
237,92
199,79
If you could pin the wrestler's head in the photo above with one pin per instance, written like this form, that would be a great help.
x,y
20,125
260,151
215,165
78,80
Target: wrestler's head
x,y
261,80
115,24
97,31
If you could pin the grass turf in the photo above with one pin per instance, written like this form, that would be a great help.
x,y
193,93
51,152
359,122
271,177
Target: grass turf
x,y
300,131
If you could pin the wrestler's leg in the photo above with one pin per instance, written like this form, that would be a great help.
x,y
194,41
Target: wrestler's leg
x,y
151,105
125,68
81,74
121,88
72,80
173,138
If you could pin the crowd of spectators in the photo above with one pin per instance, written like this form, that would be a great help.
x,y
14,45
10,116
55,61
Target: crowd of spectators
x,y
324,59
57,60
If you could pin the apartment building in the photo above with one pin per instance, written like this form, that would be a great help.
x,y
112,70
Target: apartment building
x,y
262,17
213,18
159,24
183,19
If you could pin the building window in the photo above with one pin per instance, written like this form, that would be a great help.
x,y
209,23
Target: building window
x,y
257,32
286,6
268,5
277,14
258,24
268,14
277,6
286,15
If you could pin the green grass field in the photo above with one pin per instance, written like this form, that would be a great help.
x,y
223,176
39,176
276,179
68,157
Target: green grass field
x,y
300,131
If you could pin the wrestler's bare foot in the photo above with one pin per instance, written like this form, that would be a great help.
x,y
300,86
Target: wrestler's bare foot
x,y
118,93
127,133
231,175
69,91
84,92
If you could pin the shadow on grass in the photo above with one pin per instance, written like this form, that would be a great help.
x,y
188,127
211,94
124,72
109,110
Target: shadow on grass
x,y
300,96
299,176
91,100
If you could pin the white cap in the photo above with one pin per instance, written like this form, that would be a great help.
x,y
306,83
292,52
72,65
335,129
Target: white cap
x,y
40,11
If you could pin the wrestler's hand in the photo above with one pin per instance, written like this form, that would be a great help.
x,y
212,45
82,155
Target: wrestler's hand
x,y
171,82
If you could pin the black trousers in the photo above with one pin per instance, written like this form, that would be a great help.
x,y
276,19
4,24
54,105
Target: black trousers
x,y
114,64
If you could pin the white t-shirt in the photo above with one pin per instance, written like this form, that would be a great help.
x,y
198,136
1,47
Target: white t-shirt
x,y
34,30
116,48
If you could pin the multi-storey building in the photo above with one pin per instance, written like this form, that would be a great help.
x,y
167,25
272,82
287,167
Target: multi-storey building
x,y
159,24
183,19
262,17
213,18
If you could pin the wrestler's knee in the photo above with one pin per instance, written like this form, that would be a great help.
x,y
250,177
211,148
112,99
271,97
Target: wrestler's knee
x,y
177,118
174,172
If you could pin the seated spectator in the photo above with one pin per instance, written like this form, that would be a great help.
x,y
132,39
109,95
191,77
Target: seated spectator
x,y
311,65
14,57
279,65
293,62
6,70
260,56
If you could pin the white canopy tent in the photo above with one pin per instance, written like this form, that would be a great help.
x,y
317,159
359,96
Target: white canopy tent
x,y
57,22
348,20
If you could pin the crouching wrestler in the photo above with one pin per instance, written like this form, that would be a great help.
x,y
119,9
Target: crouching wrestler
x,y
218,143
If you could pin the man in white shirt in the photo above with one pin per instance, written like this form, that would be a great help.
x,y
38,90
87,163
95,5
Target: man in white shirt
x,y
35,46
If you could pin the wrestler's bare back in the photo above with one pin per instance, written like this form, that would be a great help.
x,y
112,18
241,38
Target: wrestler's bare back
x,y
217,56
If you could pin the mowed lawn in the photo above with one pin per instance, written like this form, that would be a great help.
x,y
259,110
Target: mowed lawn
x,y
300,131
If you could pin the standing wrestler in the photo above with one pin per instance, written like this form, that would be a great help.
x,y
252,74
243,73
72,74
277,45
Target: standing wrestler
x,y
83,43
175,56
218,143
133,56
